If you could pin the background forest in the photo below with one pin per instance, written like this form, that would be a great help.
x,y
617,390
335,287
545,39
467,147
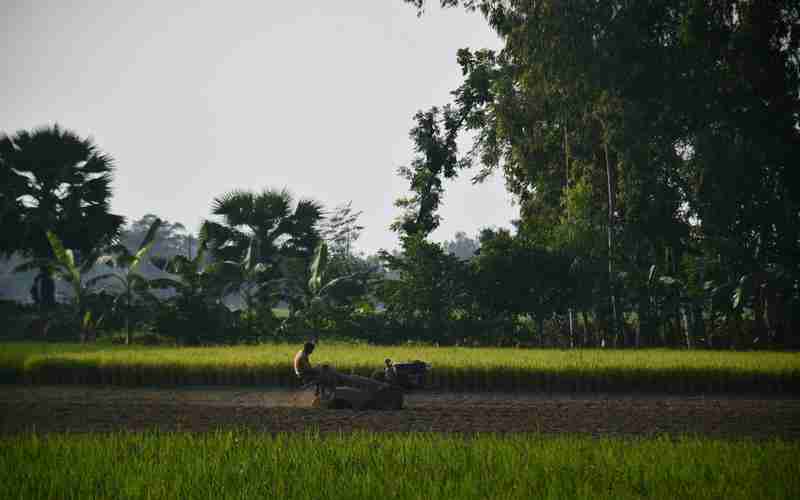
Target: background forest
x,y
652,147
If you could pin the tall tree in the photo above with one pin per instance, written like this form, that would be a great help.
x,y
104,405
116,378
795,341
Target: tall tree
x,y
55,181
431,288
681,115
280,234
279,229
434,137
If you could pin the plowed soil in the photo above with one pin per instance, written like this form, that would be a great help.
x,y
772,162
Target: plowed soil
x,y
198,409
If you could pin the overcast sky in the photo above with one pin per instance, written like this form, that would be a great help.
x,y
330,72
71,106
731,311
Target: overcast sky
x,y
193,99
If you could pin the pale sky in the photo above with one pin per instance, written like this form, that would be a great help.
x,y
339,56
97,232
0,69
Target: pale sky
x,y
193,99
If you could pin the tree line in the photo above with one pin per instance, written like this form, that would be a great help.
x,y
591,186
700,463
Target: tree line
x,y
651,146
258,250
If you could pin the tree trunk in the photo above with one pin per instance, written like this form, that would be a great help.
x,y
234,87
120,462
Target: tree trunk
x,y
613,327
571,331
644,320
540,324
128,318
586,331
687,331
698,323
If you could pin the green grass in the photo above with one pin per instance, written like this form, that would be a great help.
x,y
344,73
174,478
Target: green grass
x,y
453,367
239,464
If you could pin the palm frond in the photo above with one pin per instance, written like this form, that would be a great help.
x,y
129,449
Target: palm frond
x,y
96,190
225,243
99,164
235,207
308,213
270,207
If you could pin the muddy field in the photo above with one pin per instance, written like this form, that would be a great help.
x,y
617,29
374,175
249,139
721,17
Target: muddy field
x,y
84,409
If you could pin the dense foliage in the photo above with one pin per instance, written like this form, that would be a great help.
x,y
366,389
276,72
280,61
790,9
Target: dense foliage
x,y
651,146
53,180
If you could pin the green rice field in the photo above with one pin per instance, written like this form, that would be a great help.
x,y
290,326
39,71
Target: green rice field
x,y
454,368
242,464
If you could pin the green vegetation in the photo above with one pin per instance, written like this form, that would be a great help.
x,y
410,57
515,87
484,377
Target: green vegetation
x,y
250,465
54,180
650,147
632,135
455,368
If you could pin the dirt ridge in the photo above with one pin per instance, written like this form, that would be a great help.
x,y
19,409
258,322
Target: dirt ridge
x,y
200,409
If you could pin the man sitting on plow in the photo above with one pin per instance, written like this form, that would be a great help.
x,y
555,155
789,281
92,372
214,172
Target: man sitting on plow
x,y
337,390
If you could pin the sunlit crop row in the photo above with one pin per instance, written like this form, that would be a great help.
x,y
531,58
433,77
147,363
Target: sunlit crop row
x,y
454,368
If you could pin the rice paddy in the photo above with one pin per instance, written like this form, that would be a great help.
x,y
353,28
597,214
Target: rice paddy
x,y
241,464
248,463
454,368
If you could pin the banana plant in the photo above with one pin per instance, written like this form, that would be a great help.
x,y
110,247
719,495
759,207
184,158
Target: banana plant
x,y
326,293
199,288
244,277
767,292
250,278
63,266
191,275
317,298
194,277
128,276
668,297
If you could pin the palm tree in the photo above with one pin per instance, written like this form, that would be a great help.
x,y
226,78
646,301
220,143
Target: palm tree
x,y
12,189
265,225
61,183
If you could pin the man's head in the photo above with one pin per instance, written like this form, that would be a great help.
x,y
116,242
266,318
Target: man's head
x,y
308,348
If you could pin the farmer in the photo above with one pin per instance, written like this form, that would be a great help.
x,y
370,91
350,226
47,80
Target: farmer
x,y
302,365
326,375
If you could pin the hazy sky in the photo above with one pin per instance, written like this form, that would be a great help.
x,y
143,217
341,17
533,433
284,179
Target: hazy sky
x,y
194,99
